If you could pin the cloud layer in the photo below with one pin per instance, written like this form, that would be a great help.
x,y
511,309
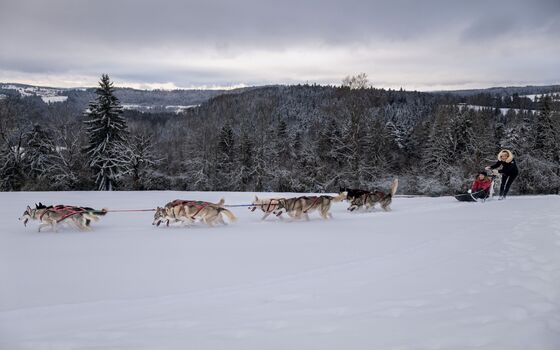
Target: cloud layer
x,y
414,44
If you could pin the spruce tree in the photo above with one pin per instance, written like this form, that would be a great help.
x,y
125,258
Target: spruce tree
x,y
226,178
107,132
545,148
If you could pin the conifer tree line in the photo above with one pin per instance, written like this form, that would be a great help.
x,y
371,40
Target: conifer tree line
x,y
304,138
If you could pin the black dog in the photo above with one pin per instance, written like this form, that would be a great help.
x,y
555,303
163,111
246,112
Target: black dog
x,y
352,193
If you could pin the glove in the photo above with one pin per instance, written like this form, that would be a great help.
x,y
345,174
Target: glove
x,y
469,191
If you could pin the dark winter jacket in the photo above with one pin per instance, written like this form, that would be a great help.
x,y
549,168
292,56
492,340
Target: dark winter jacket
x,y
507,167
481,185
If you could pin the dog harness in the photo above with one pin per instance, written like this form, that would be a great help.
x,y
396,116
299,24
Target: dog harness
x,y
270,207
312,204
69,210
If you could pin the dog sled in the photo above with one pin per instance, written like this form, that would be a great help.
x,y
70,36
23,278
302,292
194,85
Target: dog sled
x,y
481,196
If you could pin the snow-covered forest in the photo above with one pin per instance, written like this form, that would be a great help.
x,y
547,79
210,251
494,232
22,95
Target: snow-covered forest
x,y
303,138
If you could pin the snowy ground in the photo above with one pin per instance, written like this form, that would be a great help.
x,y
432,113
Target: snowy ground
x,y
432,274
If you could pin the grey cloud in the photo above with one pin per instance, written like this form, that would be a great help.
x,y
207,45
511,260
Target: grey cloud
x,y
134,38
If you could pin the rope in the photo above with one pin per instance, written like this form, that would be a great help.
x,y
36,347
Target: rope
x,y
128,210
238,205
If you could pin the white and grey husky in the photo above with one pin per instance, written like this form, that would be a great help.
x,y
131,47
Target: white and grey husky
x,y
268,206
79,217
188,211
299,207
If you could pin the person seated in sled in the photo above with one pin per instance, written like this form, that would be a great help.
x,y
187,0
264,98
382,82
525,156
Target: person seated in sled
x,y
481,186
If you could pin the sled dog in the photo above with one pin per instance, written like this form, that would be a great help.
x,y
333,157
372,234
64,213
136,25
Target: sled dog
x,y
172,211
190,211
267,205
79,217
370,199
299,207
352,193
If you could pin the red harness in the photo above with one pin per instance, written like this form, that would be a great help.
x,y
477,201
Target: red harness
x,y
200,206
312,205
270,207
67,209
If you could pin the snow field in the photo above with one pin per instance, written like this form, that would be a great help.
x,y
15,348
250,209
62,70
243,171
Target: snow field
x,y
432,274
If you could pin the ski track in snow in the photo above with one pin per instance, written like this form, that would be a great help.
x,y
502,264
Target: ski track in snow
x,y
432,274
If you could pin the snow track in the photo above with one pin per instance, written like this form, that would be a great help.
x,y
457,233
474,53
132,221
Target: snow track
x,y
432,274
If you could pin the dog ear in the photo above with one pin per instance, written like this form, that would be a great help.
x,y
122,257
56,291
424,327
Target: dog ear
x,y
256,199
28,207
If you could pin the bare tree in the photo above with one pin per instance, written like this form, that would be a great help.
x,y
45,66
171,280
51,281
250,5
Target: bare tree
x,y
359,81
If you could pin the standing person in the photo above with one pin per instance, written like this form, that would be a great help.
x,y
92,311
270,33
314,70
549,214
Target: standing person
x,y
508,168
481,186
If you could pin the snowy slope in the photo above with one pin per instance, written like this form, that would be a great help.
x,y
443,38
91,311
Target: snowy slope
x,y
432,274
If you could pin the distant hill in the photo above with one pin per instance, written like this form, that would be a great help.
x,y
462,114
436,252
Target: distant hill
x,y
143,100
505,91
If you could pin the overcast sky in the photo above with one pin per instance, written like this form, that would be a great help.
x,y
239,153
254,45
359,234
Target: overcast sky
x,y
424,45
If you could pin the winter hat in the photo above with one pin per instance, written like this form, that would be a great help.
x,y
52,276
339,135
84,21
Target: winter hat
x,y
483,172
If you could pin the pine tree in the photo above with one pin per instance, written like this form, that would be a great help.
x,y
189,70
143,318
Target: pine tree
x,y
439,158
12,166
226,179
545,151
39,149
246,162
106,130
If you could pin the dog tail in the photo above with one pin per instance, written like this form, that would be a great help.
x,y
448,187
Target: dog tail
x,y
229,214
342,196
394,186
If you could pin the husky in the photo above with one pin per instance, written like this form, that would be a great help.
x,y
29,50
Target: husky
x,y
299,207
210,214
351,193
190,211
171,212
370,199
268,206
291,206
79,217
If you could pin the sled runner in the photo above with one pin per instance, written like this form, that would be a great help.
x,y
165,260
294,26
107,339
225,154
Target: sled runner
x,y
470,197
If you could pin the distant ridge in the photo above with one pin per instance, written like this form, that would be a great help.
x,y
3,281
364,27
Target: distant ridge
x,y
503,90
